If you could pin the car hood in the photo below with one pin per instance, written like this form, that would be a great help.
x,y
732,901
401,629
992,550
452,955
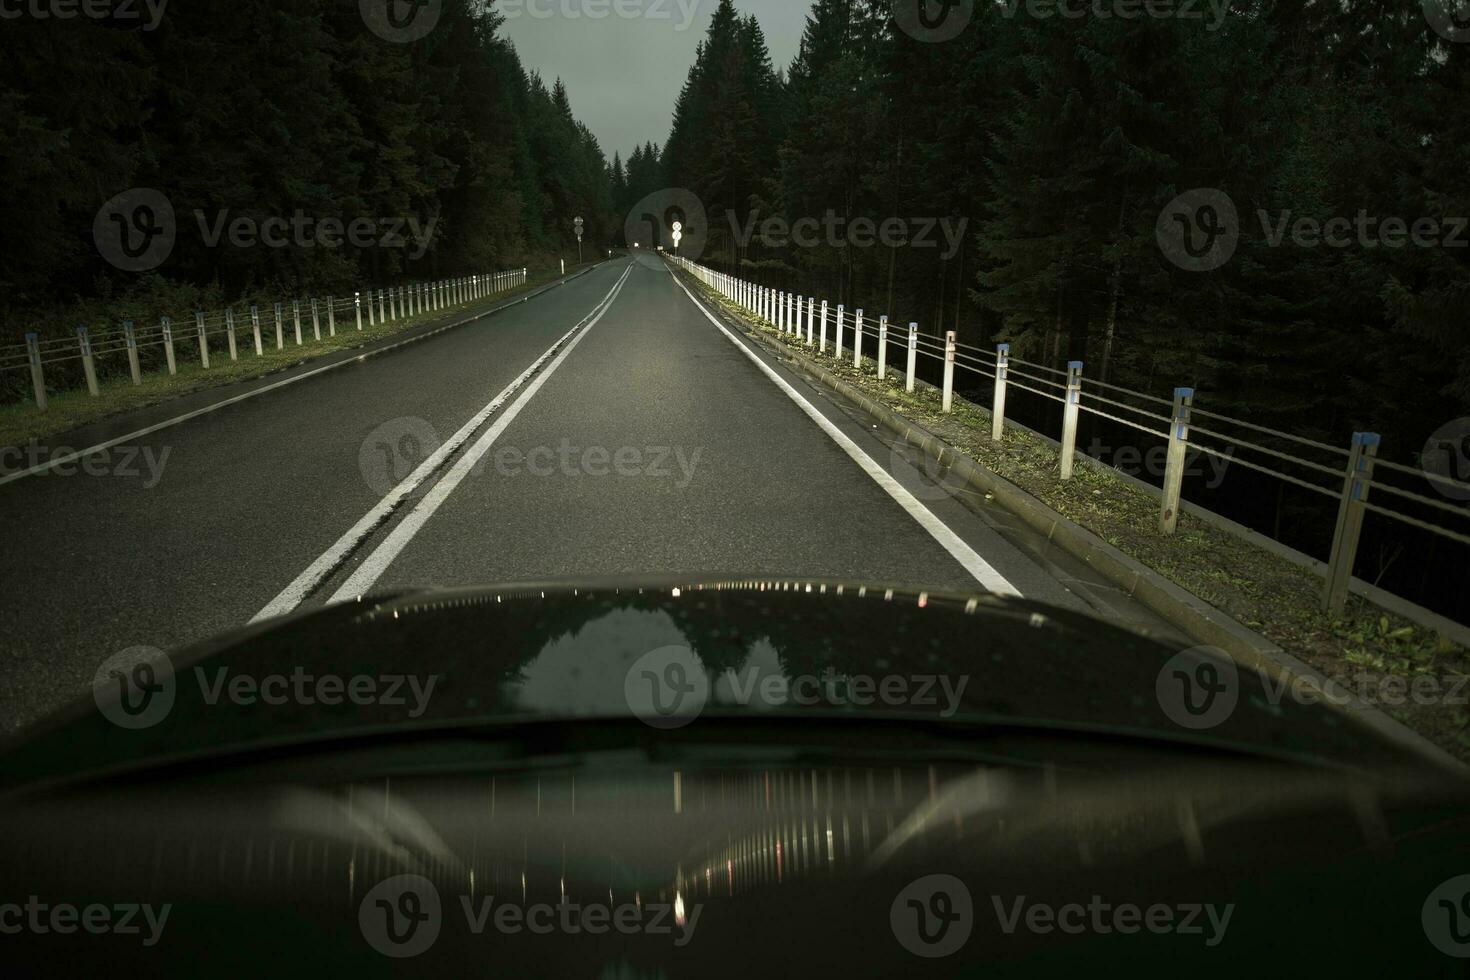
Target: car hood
x,y
500,657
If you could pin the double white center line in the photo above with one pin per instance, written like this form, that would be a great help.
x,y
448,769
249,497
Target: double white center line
x,y
377,562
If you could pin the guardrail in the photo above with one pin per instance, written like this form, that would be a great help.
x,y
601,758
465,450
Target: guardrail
x,y
1350,476
381,305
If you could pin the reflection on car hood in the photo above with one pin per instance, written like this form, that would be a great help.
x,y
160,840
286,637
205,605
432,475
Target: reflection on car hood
x,y
522,654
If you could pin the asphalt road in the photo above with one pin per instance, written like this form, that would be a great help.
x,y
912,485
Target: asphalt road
x,y
607,427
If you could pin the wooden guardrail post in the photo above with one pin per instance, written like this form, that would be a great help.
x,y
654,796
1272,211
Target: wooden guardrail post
x,y
1350,510
1174,462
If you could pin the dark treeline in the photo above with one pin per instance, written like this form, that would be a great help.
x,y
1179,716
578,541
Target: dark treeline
x,y
1061,140
264,109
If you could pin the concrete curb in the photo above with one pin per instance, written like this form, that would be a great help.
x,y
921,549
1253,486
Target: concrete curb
x,y
1176,605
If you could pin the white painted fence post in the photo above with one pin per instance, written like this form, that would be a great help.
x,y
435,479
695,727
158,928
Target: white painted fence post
x,y
280,328
948,401
882,347
89,366
168,345
357,307
255,325
1356,484
316,320
908,381
811,312
230,333
130,340
857,340
296,319
203,339
998,407
822,336
1174,462
38,378
331,316
1071,406
837,350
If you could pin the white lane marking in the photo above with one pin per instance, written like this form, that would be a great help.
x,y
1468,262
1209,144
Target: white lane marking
x,y
373,567
216,406
982,571
292,595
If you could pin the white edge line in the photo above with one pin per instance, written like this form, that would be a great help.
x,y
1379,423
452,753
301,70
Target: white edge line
x,y
982,571
376,563
216,406
292,595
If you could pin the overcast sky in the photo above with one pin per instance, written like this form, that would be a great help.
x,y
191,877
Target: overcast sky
x,y
624,73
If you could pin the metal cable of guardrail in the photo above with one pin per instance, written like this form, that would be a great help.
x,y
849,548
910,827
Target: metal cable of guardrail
x,y
1121,421
1270,452
1094,383
1039,367
1032,377
1274,432
1414,521
1093,396
1460,511
1235,460
1448,481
